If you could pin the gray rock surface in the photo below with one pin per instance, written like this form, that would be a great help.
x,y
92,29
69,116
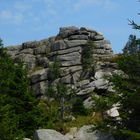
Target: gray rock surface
x,y
58,45
39,75
69,57
78,37
42,61
88,103
39,88
66,51
101,84
31,44
40,50
28,59
67,48
27,51
86,133
65,32
75,43
26,139
48,134
97,37
70,70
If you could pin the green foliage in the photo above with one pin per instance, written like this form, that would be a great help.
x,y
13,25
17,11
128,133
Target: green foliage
x,y
104,102
59,91
54,71
127,95
49,113
87,56
134,25
1,43
132,135
115,58
78,107
18,107
64,99
129,88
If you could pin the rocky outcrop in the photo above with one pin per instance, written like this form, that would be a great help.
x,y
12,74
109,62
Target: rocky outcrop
x,y
67,48
84,133
48,134
26,139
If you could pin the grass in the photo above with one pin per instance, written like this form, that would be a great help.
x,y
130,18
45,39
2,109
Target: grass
x,y
64,127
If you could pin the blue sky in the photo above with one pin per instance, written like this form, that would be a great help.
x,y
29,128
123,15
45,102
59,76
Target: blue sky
x,y
28,20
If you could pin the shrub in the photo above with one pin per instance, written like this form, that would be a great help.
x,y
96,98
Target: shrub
x,y
78,107
87,56
54,71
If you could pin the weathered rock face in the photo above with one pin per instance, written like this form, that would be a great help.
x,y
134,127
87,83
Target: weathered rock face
x,y
48,134
67,48
84,133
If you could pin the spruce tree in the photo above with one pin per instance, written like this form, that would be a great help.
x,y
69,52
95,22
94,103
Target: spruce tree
x,y
18,106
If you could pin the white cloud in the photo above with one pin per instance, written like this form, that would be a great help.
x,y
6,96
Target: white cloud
x,y
21,6
24,11
51,7
16,14
7,16
107,4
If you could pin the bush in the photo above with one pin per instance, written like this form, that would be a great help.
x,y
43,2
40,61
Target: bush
x,y
18,106
87,56
78,107
54,71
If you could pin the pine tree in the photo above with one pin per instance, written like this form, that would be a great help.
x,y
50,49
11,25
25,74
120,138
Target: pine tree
x,y
127,95
18,106
127,92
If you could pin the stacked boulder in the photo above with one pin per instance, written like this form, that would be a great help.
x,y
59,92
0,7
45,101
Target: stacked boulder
x,y
66,48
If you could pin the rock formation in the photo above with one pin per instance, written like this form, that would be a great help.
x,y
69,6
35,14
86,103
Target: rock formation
x,y
84,133
67,48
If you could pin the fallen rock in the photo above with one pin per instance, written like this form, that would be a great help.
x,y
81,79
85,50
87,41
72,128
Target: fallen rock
x,y
84,133
113,112
87,133
71,135
101,84
102,74
88,103
48,134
